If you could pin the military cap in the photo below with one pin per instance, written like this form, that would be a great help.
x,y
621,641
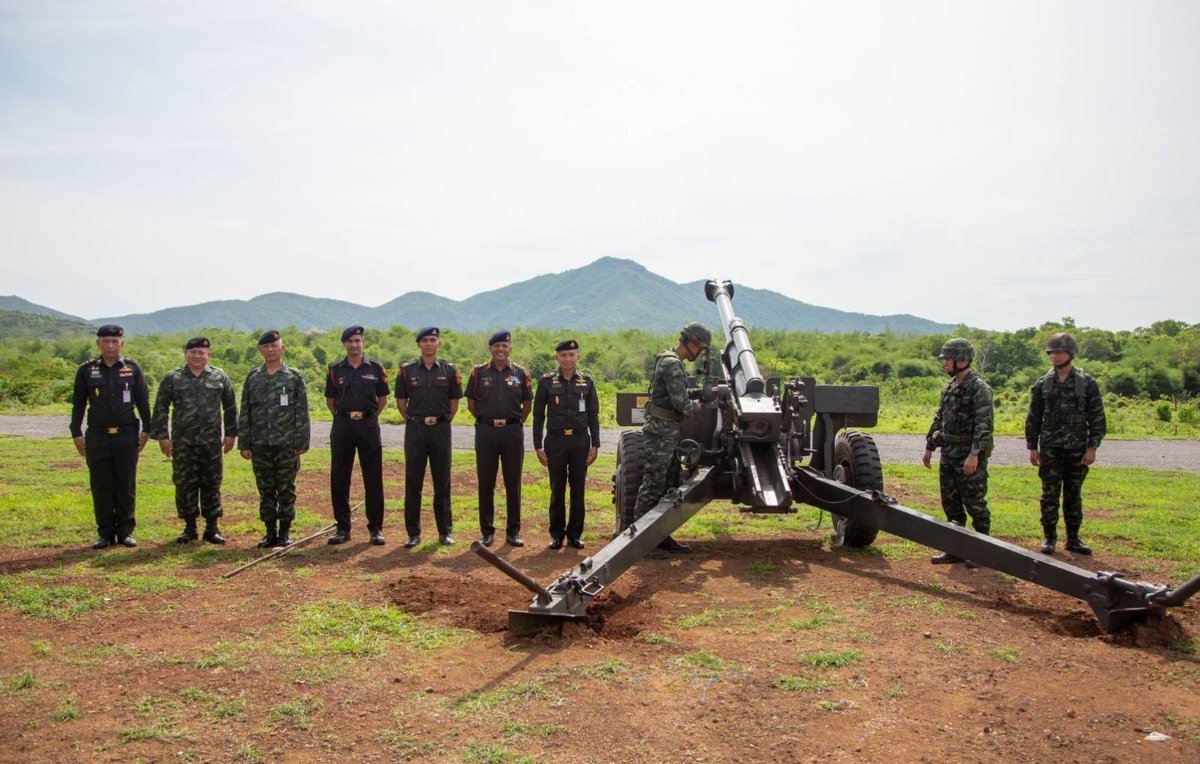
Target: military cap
x,y
500,336
566,345
110,330
351,331
269,337
429,331
1062,341
197,342
697,333
957,349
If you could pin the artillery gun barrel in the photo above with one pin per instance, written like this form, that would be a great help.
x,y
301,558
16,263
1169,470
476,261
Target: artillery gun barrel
x,y
739,356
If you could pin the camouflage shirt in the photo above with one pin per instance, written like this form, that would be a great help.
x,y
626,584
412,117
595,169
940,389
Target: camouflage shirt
x,y
1067,414
668,385
274,410
198,402
963,422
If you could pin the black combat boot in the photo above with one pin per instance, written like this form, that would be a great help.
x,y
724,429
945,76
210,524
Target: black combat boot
x,y
1077,546
212,534
285,533
945,558
189,532
1047,546
271,539
674,547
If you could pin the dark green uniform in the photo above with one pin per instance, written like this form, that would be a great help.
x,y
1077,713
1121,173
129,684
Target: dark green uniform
x,y
963,426
196,432
274,428
1064,420
111,395
668,406
572,430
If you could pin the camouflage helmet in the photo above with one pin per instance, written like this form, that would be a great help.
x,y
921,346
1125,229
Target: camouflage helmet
x,y
697,333
1062,341
957,349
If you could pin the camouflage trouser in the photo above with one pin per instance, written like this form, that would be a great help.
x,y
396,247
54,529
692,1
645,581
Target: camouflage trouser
x,y
659,439
1061,470
196,472
275,469
964,495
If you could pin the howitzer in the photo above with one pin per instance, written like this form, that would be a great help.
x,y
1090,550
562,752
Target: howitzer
x,y
767,445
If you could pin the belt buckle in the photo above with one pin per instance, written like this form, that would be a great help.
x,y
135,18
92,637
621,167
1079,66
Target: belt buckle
x,y
431,420
356,415
499,422
568,432
113,430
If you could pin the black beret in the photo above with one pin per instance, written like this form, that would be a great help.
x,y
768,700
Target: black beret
x,y
351,331
566,345
429,331
268,338
500,336
196,342
110,330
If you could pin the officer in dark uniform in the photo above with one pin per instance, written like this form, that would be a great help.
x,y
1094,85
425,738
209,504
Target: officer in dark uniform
x,y
499,396
572,439
356,391
110,387
427,394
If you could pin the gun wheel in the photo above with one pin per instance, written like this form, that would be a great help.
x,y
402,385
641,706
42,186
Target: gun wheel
x,y
627,479
856,464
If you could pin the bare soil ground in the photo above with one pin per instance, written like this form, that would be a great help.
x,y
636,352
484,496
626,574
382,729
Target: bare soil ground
x,y
746,650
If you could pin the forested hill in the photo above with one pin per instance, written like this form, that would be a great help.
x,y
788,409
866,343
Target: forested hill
x,y
606,295
24,325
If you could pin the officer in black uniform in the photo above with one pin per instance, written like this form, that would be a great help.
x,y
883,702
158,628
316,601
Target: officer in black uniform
x,y
356,391
572,439
499,396
110,387
427,394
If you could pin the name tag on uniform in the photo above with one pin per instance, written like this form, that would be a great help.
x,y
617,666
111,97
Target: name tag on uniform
x,y
582,405
126,396
283,399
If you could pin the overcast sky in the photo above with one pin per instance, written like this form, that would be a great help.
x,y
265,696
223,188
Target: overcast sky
x,y
994,163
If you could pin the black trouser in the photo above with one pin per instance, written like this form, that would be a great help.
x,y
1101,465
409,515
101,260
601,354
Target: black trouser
x,y
345,437
567,455
427,443
495,447
112,472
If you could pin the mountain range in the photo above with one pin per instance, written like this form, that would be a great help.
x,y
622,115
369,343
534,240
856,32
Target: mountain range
x,y
605,295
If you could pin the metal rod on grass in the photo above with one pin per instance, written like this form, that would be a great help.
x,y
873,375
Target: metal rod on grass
x,y
285,549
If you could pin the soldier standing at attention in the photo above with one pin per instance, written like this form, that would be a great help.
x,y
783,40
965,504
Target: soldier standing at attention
x,y
273,432
110,387
199,393
356,392
1063,429
962,427
572,439
499,396
667,407
427,394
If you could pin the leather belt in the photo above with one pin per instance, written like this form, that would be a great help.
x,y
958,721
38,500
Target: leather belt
x,y
356,415
438,419
568,431
498,422
663,413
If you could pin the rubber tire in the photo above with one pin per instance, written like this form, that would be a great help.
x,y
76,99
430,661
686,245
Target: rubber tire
x,y
856,463
627,479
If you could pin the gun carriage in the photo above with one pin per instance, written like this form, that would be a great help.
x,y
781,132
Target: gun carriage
x,y
768,445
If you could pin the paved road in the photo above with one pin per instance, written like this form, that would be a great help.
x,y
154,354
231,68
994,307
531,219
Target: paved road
x,y
1179,455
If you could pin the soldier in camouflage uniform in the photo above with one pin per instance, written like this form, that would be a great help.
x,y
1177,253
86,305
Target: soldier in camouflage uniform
x,y
667,407
962,427
273,432
199,393
1063,429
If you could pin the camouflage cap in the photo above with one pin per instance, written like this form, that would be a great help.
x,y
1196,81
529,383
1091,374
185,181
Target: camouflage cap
x,y
696,332
957,349
1062,341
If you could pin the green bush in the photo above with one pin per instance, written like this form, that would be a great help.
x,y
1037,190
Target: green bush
x,y
1163,411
